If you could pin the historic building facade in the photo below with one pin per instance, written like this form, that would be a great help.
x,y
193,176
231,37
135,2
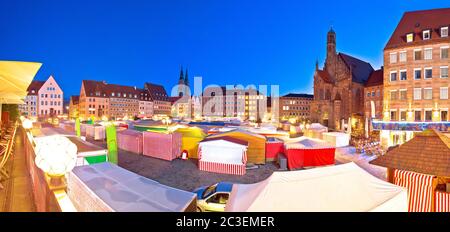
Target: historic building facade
x,y
295,106
373,96
44,99
416,79
339,88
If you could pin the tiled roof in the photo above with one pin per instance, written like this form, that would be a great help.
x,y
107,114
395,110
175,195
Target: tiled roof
x,y
418,21
375,78
300,95
428,153
35,85
75,99
156,92
103,89
361,70
325,76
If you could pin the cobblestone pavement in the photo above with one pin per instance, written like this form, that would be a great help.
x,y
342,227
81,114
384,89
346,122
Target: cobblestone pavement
x,y
184,174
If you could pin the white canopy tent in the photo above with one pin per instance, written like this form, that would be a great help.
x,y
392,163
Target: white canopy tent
x,y
339,188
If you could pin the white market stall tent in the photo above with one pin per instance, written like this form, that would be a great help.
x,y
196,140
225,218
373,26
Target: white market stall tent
x,y
316,131
223,155
106,187
337,139
340,188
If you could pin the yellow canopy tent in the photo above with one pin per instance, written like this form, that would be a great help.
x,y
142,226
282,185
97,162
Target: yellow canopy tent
x,y
15,77
190,137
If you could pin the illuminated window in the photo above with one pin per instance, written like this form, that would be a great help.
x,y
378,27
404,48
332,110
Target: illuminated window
x,y
417,54
443,93
409,37
417,93
444,71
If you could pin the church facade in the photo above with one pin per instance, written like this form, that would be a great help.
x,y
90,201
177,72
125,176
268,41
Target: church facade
x,y
339,88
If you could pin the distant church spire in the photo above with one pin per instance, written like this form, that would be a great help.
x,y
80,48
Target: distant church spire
x,y
181,73
186,79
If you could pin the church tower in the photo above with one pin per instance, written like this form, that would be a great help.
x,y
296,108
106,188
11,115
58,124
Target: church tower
x,y
181,83
330,62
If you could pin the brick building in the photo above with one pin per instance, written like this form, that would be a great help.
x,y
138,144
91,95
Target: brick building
x,y
416,81
296,106
161,102
339,88
373,96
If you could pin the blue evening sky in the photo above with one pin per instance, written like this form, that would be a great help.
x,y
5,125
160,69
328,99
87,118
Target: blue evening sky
x,y
225,41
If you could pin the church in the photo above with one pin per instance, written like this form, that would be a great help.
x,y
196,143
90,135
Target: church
x,y
339,88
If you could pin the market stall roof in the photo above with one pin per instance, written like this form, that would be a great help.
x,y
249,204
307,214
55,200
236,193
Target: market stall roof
x,y
307,143
15,77
427,153
195,132
226,138
344,187
122,190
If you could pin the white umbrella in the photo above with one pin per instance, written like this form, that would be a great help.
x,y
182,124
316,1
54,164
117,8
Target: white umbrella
x,y
16,76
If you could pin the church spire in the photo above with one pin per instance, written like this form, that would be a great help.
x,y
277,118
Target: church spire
x,y
186,79
317,64
181,73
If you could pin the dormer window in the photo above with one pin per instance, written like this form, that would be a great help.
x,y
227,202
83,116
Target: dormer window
x,y
409,37
426,35
444,31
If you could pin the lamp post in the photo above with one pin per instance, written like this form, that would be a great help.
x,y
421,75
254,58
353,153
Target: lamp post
x,y
56,156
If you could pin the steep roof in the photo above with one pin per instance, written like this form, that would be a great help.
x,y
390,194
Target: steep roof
x,y
34,85
103,89
156,92
75,99
300,95
428,153
416,22
375,78
324,75
361,70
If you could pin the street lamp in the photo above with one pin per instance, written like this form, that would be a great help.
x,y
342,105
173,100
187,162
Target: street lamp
x,y
56,156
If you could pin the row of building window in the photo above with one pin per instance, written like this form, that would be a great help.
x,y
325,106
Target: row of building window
x,y
51,95
419,115
56,103
293,102
417,94
295,108
426,34
373,93
427,54
45,112
427,73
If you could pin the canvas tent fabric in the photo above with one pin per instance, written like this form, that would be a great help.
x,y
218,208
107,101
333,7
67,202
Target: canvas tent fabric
x,y
256,152
316,131
95,131
420,189
442,202
340,188
162,146
15,77
225,155
108,187
274,146
130,140
307,152
190,138
337,139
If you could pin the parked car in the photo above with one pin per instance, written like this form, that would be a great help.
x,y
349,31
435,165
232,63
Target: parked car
x,y
213,198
